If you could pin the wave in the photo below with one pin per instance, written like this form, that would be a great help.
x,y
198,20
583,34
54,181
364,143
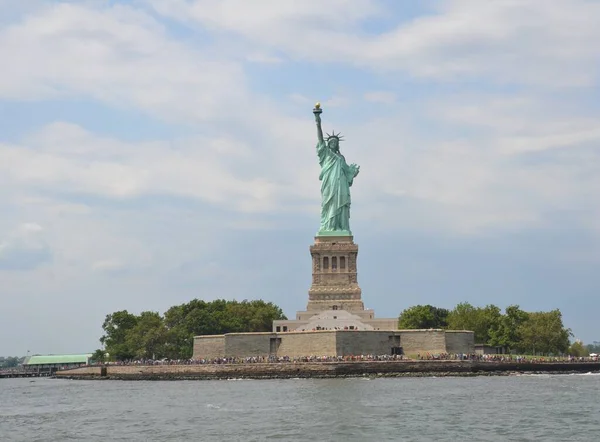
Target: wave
x,y
533,375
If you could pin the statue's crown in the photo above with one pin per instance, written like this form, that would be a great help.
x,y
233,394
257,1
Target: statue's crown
x,y
337,136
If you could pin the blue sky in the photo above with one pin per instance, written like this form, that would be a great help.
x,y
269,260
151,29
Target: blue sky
x,y
153,151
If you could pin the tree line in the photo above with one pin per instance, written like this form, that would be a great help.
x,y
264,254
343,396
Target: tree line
x,y
150,335
577,348
11,361
516,330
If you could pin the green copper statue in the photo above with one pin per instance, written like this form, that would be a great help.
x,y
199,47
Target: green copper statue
x,y
336,178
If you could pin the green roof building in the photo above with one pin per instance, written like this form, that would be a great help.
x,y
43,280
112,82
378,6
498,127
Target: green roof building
x,y
56,361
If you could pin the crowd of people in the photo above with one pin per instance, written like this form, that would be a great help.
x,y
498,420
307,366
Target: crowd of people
x,y
259,360
355,358
505,358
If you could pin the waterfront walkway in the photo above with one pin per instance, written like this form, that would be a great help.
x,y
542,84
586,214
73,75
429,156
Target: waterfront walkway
x,y
356,358
320,368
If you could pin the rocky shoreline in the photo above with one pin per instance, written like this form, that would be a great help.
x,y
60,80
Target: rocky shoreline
x,y
380,369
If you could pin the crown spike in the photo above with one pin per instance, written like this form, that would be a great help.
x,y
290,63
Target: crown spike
x,y
337,136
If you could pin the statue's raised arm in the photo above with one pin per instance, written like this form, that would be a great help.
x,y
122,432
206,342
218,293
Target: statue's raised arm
x,y
317,111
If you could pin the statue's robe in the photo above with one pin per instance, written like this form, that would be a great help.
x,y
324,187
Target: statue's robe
x,y
336,178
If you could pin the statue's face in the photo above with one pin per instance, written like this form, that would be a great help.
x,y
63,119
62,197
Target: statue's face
x,y
334,145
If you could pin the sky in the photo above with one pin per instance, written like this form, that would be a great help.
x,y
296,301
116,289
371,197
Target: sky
x,y
157,151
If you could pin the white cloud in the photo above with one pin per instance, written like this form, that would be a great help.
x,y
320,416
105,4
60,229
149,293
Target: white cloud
x,y
117,55
118,268
466,185
108,265
384,97
258,57
261,16
123,56
299,99
532,42
257,166
64,157
424,173
24,248
30,228
336,101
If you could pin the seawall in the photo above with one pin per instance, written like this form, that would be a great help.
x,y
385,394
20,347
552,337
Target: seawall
x,y
322,370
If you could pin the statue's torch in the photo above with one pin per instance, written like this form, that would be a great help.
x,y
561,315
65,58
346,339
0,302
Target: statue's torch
x,y
317,110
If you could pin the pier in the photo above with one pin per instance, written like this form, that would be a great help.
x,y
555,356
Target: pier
x,y
20,373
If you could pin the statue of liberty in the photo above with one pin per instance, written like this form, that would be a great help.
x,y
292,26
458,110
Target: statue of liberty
x,y
336,179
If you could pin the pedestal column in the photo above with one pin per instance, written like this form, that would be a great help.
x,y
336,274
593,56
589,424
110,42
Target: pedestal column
x,y
334,275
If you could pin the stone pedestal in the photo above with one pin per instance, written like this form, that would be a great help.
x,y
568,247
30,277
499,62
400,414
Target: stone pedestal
x,y
334,275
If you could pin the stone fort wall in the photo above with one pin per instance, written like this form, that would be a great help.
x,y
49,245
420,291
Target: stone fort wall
x,y
297,344
423,341
242,345
364,343
332,343
212,346
460,341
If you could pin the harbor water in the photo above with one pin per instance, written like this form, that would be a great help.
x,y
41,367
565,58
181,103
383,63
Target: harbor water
x,y
515,408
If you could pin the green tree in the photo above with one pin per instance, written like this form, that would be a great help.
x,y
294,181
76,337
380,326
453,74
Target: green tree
x,y
10,361
510,327
578,350
148,337
544,333
423,317
463,317
251,316
116,327
179,321
99,356
490,325
198,317
484,322
594,348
